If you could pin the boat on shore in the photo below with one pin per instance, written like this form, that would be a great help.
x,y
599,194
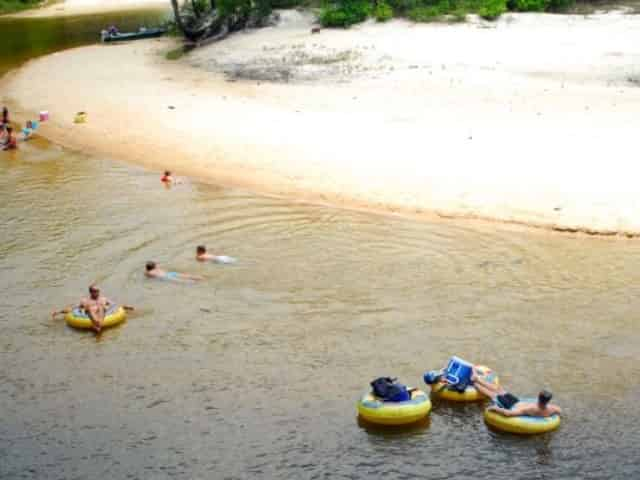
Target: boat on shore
x,y
142,33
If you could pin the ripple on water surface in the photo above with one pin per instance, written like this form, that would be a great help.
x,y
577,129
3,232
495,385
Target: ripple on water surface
x,y
255,371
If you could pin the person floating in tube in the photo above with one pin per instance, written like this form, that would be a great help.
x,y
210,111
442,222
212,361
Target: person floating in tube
x,y
95,306
507,404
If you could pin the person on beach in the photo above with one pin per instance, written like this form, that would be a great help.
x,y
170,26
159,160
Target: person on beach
x,y
504,401
203,256
95,306
29,129
153,271
5,116
10,142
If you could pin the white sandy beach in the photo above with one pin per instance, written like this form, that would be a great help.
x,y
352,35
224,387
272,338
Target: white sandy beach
x,y
530,120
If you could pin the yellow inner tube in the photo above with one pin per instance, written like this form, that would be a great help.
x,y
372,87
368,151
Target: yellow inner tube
x,y
523,424
374,410
77,318
440,389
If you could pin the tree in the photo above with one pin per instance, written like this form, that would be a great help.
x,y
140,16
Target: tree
x,y
200,23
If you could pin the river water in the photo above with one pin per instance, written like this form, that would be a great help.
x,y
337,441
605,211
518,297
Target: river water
x,y
255,372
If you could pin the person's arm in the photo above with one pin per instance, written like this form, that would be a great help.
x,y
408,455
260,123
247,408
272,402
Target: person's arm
x,y
55,313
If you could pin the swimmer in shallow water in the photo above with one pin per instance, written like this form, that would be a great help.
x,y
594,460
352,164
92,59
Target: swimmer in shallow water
x,y
95,306
167,179
152,271
203,256
509,405
10,142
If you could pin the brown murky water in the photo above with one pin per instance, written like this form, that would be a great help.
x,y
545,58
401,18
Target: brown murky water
x,y
255,372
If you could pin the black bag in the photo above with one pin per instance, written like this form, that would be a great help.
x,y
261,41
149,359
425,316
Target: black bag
x,y
388,390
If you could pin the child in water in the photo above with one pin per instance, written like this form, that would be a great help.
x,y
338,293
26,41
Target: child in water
x,y
167,179
10,142
28,130
203,256
153,271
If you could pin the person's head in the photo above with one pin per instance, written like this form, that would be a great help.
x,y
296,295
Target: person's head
x,y
94,291
167,173
201,249
5,112
29,124
150,266
9,130
544,397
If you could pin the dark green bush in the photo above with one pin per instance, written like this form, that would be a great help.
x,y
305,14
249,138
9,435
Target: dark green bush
x,y
492,9
345,14
285,3
424,14
383,12
560,5
531,5
401,7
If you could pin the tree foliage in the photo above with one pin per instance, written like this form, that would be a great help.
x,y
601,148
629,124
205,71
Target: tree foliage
x,y
344,13
210,20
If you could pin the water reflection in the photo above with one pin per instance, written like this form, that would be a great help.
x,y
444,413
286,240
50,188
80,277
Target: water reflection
x,y
27,38
394,431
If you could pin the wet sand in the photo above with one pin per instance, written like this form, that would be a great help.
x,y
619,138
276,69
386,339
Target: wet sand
x,y
529,120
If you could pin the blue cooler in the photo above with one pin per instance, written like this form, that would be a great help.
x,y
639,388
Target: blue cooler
x,y
458,371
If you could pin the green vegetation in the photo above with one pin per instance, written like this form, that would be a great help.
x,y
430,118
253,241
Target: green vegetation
x,y
383,12
492,9
344,13
11,6
528,5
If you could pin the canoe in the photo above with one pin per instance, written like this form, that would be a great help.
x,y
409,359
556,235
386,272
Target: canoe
x,y
122,37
